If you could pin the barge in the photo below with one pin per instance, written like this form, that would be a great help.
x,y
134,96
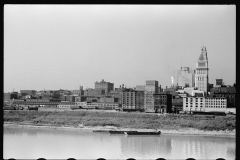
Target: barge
x,y
119,132
143,133
100,130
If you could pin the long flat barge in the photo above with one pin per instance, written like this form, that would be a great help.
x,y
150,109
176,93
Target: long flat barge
x,y
119,132
101,131
143,133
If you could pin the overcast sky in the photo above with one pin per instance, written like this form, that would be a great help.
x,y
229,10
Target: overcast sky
x,y
65,46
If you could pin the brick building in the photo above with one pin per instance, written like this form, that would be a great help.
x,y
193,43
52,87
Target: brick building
x,y
228,92
103,85
162,103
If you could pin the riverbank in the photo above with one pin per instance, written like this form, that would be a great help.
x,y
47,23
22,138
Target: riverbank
x,y
186,131
100,120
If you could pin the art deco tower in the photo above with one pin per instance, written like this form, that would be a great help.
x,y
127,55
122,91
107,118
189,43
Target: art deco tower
x,y
201,75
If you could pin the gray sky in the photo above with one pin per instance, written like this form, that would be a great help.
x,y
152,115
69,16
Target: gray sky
x,y
65,46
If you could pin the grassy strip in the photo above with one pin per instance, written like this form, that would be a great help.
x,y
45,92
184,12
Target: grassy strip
x,y
124,120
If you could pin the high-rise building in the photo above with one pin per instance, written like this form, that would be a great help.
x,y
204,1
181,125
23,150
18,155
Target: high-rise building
x,y
219,82
185,77
132,99
103,85
201,75
151,88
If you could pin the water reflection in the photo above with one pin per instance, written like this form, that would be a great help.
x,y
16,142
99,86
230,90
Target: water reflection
x,y
32,143
146,146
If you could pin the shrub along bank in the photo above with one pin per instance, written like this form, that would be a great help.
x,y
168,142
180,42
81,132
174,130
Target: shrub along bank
x,y
124,120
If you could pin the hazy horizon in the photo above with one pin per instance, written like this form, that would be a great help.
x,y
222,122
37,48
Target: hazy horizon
x,y
67,46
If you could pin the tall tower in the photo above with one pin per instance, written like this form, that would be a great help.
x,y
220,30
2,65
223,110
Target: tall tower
x,y
201,75
150,89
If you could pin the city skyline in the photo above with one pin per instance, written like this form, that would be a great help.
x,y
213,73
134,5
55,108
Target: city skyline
x,y
67,46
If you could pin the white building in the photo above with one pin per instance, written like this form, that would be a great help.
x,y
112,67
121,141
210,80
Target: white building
x,y
205,104
193,104
201,75
216,104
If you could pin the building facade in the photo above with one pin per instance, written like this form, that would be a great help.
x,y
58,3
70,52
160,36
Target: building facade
x,y
162,103
139,102
94,92
132,100
128,99
103,85
177,104
109,99
186,77
151,88
80,99
201,75
193,104
227,92
28,92
140,88
7,97
204,104
215,104
219,82
78,92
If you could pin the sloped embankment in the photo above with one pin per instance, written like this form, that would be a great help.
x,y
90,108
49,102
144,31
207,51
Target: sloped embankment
x,y
123,120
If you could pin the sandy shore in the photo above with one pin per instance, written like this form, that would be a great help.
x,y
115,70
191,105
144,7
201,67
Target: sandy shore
x,y
185,131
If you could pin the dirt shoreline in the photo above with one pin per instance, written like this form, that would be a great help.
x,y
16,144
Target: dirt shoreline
x,y
184,131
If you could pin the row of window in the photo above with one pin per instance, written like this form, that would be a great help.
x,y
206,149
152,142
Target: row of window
x,y
223,102
215,107
98,104
210,106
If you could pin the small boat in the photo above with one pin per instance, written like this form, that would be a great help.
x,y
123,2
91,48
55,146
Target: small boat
x,y
119,132
143,133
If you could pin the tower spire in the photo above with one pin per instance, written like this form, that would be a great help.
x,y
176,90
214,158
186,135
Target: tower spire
x,y
201,76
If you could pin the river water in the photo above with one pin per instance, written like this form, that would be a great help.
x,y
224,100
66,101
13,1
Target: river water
x,y
34,143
